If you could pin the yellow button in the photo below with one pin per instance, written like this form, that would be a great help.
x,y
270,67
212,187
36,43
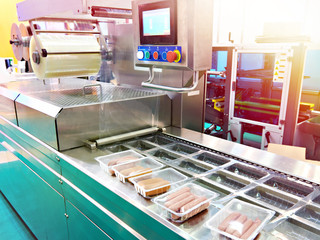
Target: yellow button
x,y
178,55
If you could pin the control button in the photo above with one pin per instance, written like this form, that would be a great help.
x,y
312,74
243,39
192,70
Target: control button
x,y
171,56
147,54
140,55
178,55
155,55
164,56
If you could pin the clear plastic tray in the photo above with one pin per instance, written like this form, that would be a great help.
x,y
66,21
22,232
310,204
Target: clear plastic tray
x,y
124,172
157,182
183,149
189,191
193,166
238,228
108,161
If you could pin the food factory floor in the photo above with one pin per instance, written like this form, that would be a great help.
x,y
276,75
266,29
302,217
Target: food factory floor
x,y
11,226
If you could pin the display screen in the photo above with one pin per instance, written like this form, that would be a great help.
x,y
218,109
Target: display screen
x,y
156,22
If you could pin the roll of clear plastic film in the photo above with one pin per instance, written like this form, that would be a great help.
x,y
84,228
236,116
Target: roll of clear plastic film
x,y
68,55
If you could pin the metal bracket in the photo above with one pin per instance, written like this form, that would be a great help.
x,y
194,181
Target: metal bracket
x,y
149,83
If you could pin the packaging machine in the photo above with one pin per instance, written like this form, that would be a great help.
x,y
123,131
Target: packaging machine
x,y
52,131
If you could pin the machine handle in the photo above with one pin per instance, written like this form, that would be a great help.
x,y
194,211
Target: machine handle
x,y
268,139
90,86
149,83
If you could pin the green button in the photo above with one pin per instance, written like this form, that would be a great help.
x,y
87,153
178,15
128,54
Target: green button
x,y
147,54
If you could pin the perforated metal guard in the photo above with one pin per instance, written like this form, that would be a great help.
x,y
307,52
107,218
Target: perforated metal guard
x,y
91,95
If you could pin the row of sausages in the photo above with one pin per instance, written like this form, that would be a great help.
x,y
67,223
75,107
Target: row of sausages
x,y
183,200
239,225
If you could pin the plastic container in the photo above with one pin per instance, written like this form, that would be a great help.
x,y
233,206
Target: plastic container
x,y
157,182
239,226
136,168
183,149
108,161
193,166
189,191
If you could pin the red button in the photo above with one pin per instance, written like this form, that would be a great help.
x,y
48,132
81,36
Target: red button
x,y
155,55
171,56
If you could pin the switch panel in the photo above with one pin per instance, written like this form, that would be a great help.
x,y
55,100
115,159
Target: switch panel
x,y
171,54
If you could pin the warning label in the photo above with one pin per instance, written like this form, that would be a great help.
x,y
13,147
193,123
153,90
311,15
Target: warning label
x,y
280,67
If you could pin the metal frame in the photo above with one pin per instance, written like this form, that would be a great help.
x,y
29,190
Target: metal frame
x,y
31,9
228,74
278,130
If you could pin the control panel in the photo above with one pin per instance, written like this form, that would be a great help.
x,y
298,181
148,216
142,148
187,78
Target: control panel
x,y
166,34
169,54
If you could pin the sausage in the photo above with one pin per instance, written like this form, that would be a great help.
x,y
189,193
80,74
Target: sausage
x,y
177,199
135,171
245,227
128,171
197,210
251,229
177,193
237,229
225,223
176,206
120,160
195,202
148,181
159,184
139,173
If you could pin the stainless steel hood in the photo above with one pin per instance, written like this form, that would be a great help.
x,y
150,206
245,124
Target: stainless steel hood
x,y
66,114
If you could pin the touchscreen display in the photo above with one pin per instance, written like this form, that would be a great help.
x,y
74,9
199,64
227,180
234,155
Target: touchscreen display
x,y
156,22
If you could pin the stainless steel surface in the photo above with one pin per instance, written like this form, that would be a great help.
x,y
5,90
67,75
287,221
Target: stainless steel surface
x,y
65,115
7,108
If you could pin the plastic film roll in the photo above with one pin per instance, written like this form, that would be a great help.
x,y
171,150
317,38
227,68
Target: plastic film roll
x,y
69,62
